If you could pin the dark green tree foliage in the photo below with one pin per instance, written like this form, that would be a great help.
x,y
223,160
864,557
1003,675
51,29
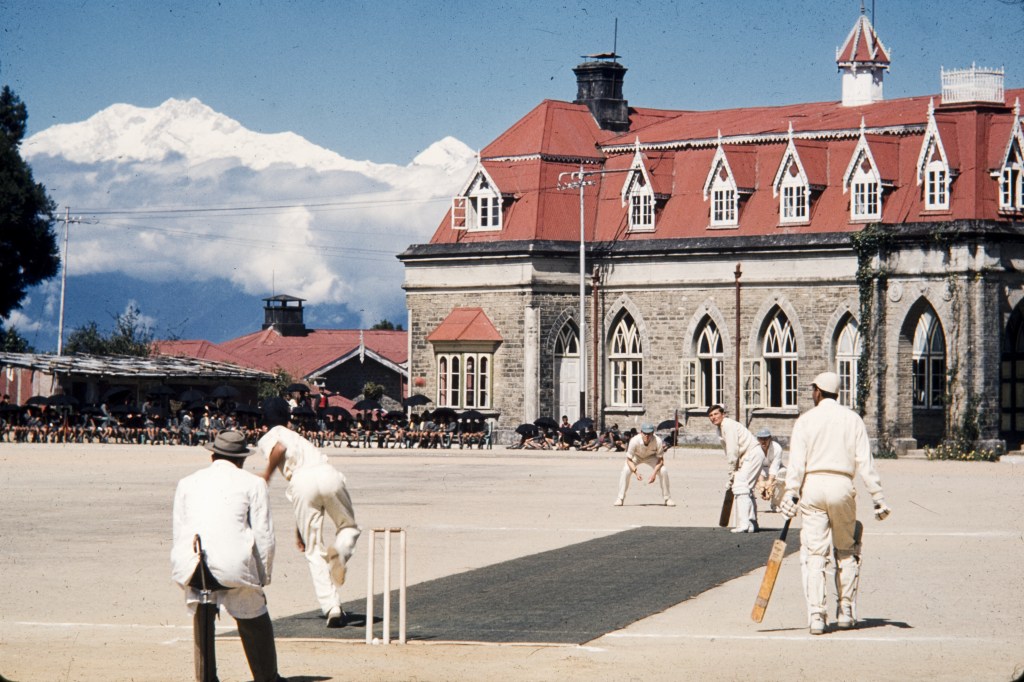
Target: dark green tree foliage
x,y
130,337
28,247
386,325
13,342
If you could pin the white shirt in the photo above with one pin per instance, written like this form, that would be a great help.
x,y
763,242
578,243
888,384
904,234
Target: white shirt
x,y
299,452
830,438
228,508
736,439
773,460
638,452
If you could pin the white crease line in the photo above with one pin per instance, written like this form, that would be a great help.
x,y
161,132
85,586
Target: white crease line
x,y
530,529
843,637
952,534
109,626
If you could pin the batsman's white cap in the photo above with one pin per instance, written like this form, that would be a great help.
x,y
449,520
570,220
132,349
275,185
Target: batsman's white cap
x,y
827,382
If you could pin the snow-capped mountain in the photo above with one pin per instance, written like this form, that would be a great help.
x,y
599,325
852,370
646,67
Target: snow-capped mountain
x,y
303,220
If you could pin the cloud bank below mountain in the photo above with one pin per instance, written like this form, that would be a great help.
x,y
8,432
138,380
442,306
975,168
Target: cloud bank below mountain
x,y
182,194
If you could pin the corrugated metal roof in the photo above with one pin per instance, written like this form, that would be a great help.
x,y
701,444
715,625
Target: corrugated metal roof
x,y
465,324
157,366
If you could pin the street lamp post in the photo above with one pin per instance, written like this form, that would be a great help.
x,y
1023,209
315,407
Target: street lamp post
x,y
579,180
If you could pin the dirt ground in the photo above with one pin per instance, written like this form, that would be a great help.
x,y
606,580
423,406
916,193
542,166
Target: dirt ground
x,y
86,593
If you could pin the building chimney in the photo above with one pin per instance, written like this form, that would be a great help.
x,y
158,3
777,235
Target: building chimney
x,y
284,314
599,86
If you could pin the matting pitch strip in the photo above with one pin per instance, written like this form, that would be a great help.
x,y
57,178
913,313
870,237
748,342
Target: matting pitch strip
x,y
563,596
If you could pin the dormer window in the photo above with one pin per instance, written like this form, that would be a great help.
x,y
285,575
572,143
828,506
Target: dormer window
x,y
793,196
936,186
864,182
865,191
638,194
1011,180
723,201
478,206
933,172
722,189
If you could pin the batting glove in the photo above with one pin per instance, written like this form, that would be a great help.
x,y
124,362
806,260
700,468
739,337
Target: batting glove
x,y
881,510
789,506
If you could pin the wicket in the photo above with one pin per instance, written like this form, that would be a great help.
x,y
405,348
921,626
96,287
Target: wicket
x,y
372,551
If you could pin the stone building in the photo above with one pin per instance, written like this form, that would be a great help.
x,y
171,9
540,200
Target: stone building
x,y
632,264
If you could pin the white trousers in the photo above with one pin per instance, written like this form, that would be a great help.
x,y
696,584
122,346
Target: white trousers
x,y
317,491
627,475
828,504
743,485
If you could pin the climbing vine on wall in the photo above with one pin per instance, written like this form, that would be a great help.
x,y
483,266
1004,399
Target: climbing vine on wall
x,y
870,245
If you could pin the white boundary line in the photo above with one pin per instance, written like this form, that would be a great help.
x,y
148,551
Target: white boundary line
x,y
837,637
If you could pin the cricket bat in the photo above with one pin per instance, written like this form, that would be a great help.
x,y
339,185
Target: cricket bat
x,y
771,572
723,517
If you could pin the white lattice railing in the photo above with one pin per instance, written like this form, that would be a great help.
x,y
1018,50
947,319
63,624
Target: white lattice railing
x,y
972,85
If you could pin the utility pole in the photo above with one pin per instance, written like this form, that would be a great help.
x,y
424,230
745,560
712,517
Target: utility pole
x,y
67,220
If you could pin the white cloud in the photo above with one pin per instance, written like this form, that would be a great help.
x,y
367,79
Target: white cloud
x,y
181,193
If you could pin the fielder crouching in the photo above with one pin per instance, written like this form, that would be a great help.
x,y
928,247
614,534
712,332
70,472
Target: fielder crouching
x,y
828,446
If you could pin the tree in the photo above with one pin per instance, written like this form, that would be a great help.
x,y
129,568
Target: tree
x,y
131,336
372,391
28,246
387,326
13,342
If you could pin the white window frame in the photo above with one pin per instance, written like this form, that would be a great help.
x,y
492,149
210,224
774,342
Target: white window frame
x,y
929,363
711,365
752,376
936,187
626,364
479,207
464,379
641,208
847,353
1011,187
724,203
779,348
793,200
865,195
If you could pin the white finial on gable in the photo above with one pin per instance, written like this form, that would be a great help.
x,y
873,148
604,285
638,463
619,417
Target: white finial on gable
x,y
1016,108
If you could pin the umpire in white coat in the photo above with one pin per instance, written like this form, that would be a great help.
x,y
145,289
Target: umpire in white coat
x,y
745,459
828,447
227,507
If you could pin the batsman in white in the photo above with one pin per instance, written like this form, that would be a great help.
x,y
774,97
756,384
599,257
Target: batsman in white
x,y
315,489
745,458
828,447
645,448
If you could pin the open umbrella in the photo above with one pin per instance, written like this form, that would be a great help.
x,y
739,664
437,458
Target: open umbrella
x,y
62,400
37,400
471,415
160,390
416,400
246,408
303,411
225,391
191,395
667,424
115,391
546,423
395,415
367,404
443,413
568,435
297,388
336,411
528,430
123,409
582,424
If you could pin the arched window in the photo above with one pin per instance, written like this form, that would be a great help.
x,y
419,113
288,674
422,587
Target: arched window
x,y
710,356
567,370
848,349
929,358
780,360
626,360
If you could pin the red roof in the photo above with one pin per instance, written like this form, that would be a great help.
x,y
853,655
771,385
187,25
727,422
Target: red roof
x,y
300,356
862,46
465,324
677,149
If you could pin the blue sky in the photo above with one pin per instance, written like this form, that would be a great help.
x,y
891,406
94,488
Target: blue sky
x,y
383,80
